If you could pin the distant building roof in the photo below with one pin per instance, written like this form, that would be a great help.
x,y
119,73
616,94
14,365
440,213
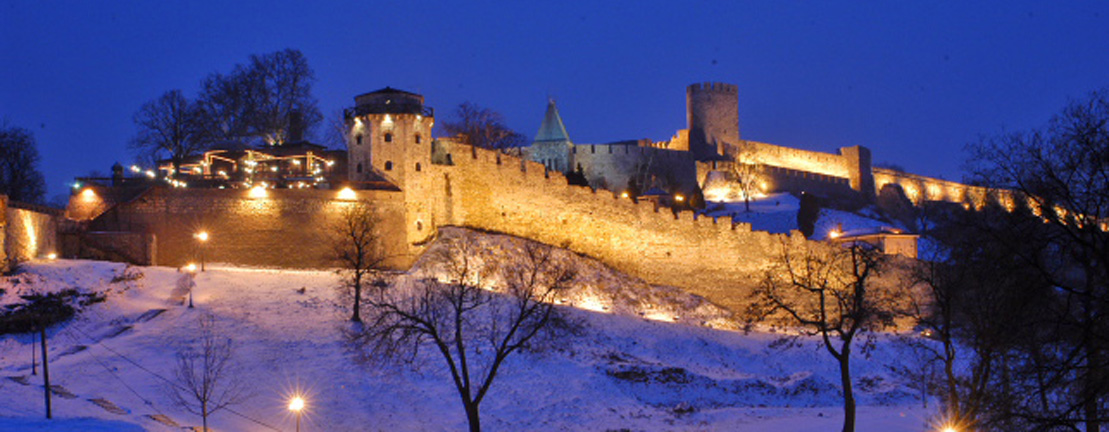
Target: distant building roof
x,y
388,90
552,128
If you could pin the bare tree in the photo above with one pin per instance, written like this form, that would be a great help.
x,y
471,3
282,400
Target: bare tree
x,y
747,171
167,126
255,100
205,379
473,326
357,249
20,178
483,127
827,292
1059,179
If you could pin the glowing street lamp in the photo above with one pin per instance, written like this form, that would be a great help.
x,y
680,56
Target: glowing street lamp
x,y
296,405
201,237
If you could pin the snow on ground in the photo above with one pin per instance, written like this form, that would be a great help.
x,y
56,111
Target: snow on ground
x,y
624,372
777,213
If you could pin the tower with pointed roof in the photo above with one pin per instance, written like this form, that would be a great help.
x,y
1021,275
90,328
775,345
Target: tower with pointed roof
x,y
552,146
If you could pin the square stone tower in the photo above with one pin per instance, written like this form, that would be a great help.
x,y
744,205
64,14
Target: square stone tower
x,y
712,114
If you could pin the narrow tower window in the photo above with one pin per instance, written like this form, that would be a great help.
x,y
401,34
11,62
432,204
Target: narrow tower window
x,y
388,137
358,139
359,169
417,166
388,165
417,138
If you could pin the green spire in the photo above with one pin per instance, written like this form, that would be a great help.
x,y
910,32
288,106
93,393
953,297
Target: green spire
x,y
552,128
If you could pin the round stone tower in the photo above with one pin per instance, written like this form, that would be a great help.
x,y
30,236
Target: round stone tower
x,y
712,115
389,140
390,136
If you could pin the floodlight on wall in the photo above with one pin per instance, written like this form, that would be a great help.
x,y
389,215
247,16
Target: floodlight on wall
x,y
347,194
258,192
88,194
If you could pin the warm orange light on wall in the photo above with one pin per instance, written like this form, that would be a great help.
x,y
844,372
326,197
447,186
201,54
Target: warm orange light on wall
x,y
258,192
347,194
88,194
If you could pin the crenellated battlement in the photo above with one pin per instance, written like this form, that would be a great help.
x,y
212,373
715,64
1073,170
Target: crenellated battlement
x,y
713,87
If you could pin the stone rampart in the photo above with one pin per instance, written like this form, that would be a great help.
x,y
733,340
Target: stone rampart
x,y
815,162
30,231
919,189
710,257
611,166
286,228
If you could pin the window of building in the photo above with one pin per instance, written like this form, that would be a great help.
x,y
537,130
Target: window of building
x,y
358,139
388,137
388,166
417,166
359,169
417,138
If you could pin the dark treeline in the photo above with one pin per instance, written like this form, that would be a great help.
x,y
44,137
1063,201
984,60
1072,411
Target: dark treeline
x,y
1020,289
267,100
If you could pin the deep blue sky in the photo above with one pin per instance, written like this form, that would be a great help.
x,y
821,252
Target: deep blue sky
x,y
914,81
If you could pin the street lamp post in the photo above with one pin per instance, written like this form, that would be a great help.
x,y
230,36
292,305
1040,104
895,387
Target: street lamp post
x,y
296,405
191,268
201,237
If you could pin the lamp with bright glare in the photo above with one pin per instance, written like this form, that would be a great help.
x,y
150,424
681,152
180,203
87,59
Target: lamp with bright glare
x,y
201,237
296,405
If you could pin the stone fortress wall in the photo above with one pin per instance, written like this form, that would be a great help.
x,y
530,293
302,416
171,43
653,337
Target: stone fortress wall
x,y
613,166
27,231
713,136
710,257
288,228
442,183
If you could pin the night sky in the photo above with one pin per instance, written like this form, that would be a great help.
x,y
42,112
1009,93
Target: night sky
x,y
914,81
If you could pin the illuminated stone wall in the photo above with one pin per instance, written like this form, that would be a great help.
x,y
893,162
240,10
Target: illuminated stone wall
x,y
29,231
705,256
288,228
919,189
611,166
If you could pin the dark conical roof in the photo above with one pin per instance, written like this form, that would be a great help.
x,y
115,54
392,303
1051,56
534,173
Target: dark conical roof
x,y
552,128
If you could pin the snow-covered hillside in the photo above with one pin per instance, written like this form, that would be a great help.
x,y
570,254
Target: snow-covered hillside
x,y
632,368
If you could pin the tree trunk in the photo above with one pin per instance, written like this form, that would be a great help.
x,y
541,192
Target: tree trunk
x,y
848,392
1093,382
357,315
473,416
953,405
204,414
